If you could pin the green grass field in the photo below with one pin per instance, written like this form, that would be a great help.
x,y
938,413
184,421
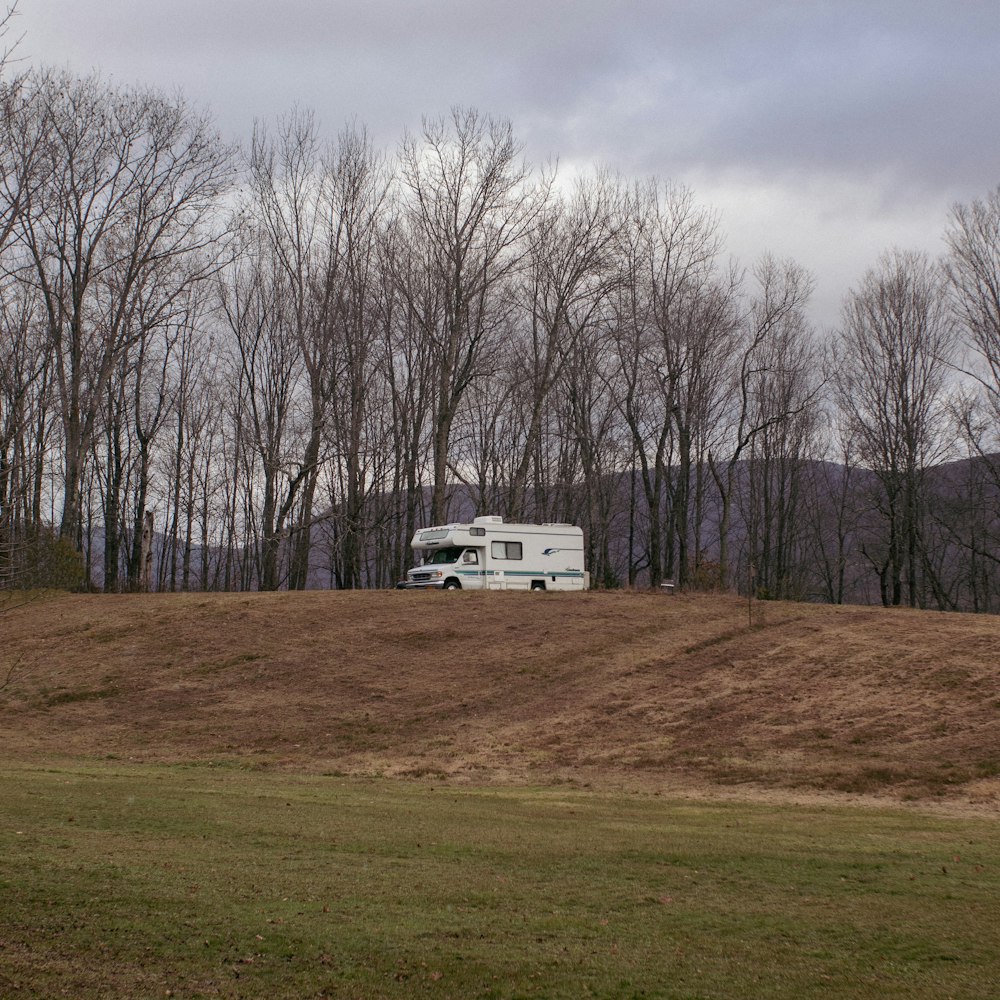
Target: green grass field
x,y
122,881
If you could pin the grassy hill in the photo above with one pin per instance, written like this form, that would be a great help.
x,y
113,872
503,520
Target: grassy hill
x,y
603,689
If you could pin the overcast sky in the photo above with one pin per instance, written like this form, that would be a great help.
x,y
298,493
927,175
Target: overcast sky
x,y
824,130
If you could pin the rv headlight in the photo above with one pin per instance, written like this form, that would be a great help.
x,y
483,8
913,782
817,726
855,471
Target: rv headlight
x,y
438,572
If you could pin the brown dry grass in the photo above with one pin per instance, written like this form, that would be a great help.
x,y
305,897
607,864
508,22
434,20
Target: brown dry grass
x,y
632,690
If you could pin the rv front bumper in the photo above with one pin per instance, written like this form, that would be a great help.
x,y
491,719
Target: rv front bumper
x,y
420,585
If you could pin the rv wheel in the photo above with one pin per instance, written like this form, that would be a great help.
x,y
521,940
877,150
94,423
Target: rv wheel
x,y
537,585
452,585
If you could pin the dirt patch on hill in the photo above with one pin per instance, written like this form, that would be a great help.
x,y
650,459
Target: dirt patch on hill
x,y
634,690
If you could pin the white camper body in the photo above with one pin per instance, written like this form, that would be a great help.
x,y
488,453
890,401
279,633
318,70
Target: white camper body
x,y
491,555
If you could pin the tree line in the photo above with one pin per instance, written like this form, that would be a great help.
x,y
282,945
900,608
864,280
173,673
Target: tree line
x,y
297,352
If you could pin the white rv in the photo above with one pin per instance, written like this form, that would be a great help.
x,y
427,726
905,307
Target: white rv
x,y
491,555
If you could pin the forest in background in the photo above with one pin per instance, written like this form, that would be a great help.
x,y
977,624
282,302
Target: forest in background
x,y
294,353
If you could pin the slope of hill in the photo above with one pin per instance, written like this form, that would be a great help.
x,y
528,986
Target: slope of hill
x,y
634,690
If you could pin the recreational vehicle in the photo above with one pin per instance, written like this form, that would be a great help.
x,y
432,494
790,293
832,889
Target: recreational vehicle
x,y
491,555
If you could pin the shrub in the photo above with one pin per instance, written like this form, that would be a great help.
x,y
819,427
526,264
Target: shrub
x,y
44,561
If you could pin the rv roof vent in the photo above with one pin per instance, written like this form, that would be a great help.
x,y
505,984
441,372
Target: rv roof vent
x,y
488,519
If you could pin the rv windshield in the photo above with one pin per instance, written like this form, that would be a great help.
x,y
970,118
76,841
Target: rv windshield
x,y
441,556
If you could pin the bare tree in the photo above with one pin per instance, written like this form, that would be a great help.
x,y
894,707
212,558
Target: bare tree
x,y
270,404
289,204
6,23
319,210
673,328
470,202
24,137
24,365
775,308
407,301
783,397
196,417
893,353
973,267
24,425
358,198
591,471
571,267
131,182
489,432
24,163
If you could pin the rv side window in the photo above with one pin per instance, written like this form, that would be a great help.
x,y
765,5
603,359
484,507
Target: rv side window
x,y
478,532
506,550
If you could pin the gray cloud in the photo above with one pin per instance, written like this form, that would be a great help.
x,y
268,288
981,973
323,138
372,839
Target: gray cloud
x,y
887,109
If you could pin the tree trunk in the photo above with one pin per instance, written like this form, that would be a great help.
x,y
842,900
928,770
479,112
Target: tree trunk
x,y
146,553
